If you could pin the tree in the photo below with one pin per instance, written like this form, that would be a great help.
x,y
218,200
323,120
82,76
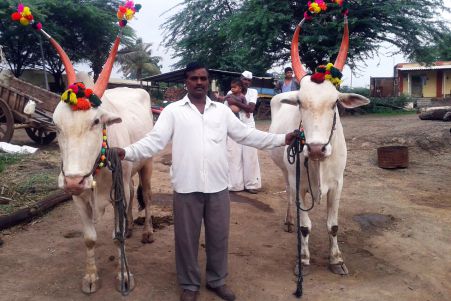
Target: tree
x,y
20,46
86,30
199,32
257,34
137,61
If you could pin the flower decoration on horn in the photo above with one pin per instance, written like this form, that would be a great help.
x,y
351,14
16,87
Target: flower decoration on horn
x,y
24,16
344,6
316,7
327,72
127,12
80,98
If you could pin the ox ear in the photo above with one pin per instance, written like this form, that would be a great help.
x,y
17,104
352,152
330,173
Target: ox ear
x,y
351,100
289,98
293,102
109,118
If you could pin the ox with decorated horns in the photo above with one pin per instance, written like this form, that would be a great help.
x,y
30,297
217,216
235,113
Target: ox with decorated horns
x,y
313,110
87,128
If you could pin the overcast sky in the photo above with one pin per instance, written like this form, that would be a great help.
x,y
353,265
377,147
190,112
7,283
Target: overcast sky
x,y
148,21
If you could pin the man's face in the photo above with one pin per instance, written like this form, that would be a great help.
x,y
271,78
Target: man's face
x,y
246,82
289,74
197,83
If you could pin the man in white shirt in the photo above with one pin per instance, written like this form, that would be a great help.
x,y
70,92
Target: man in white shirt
x,y
198,129
244,169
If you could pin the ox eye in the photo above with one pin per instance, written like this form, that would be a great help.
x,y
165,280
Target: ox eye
x,y
96,122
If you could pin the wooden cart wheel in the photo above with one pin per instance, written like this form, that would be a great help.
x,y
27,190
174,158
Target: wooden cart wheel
x,y
40,135
6,122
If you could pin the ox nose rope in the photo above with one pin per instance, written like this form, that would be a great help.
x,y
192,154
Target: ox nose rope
x,y
293,155
117,196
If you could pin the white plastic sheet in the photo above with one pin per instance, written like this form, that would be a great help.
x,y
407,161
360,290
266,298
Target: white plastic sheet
x,y
16,149
30,107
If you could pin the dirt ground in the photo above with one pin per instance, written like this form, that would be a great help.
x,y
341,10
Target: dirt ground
x,y
395,233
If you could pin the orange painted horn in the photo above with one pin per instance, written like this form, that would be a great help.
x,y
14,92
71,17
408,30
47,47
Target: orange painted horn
x,y
298,68
104,77
344,48
70,72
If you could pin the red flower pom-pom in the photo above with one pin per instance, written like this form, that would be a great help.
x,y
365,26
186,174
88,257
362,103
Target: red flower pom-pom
x,y
307,17
29,17
318,78
83,104
16,16
81,85
122,9
88,93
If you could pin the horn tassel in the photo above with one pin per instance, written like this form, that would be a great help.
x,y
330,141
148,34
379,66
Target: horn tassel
x,y
104,77
344,48
298,68
70,71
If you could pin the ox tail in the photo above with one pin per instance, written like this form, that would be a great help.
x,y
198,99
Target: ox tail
x,y
140,197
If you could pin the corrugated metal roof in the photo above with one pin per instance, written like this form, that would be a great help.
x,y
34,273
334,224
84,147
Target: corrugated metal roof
x,y
417,68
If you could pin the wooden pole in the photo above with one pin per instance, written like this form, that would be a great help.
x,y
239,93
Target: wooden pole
x,y
38,209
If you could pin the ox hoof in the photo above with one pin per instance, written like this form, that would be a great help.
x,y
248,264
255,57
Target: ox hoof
x,y
339,269
289,227
90,283
147,238
129,282
306,270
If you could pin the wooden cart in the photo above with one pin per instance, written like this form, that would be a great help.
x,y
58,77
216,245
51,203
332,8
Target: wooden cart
x,y
14,95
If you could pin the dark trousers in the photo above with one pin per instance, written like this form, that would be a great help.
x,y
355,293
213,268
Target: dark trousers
x,y
189,211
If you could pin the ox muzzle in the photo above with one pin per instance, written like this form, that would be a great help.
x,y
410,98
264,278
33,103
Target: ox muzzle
x,y
75,185
317,151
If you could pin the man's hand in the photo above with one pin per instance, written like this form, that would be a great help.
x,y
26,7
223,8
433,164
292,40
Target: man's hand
x,y
290,137
120,152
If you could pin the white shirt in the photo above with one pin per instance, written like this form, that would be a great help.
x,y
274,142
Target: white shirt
x,y
251,97
199,152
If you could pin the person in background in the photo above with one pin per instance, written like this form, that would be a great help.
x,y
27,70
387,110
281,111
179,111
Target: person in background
x,y
244,167
288,84
198,129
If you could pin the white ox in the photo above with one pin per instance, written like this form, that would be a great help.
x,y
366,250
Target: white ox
x,y
316,106
126,114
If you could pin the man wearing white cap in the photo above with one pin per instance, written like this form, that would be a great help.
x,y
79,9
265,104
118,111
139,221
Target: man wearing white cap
x,y
244,169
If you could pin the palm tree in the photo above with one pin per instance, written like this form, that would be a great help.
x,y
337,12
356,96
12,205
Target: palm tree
x,y
137,61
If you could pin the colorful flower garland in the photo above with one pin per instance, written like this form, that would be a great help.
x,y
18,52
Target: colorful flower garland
x,y
127,12
80,98
317,6
24,16
328,72
102,159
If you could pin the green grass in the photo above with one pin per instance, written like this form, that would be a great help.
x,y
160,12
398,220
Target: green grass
x,y
37,183
8,159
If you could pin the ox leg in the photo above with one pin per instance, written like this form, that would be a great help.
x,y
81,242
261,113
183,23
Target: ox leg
x,y
305,226
129,281
289,220
130,224
336,263
90,282
145,175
